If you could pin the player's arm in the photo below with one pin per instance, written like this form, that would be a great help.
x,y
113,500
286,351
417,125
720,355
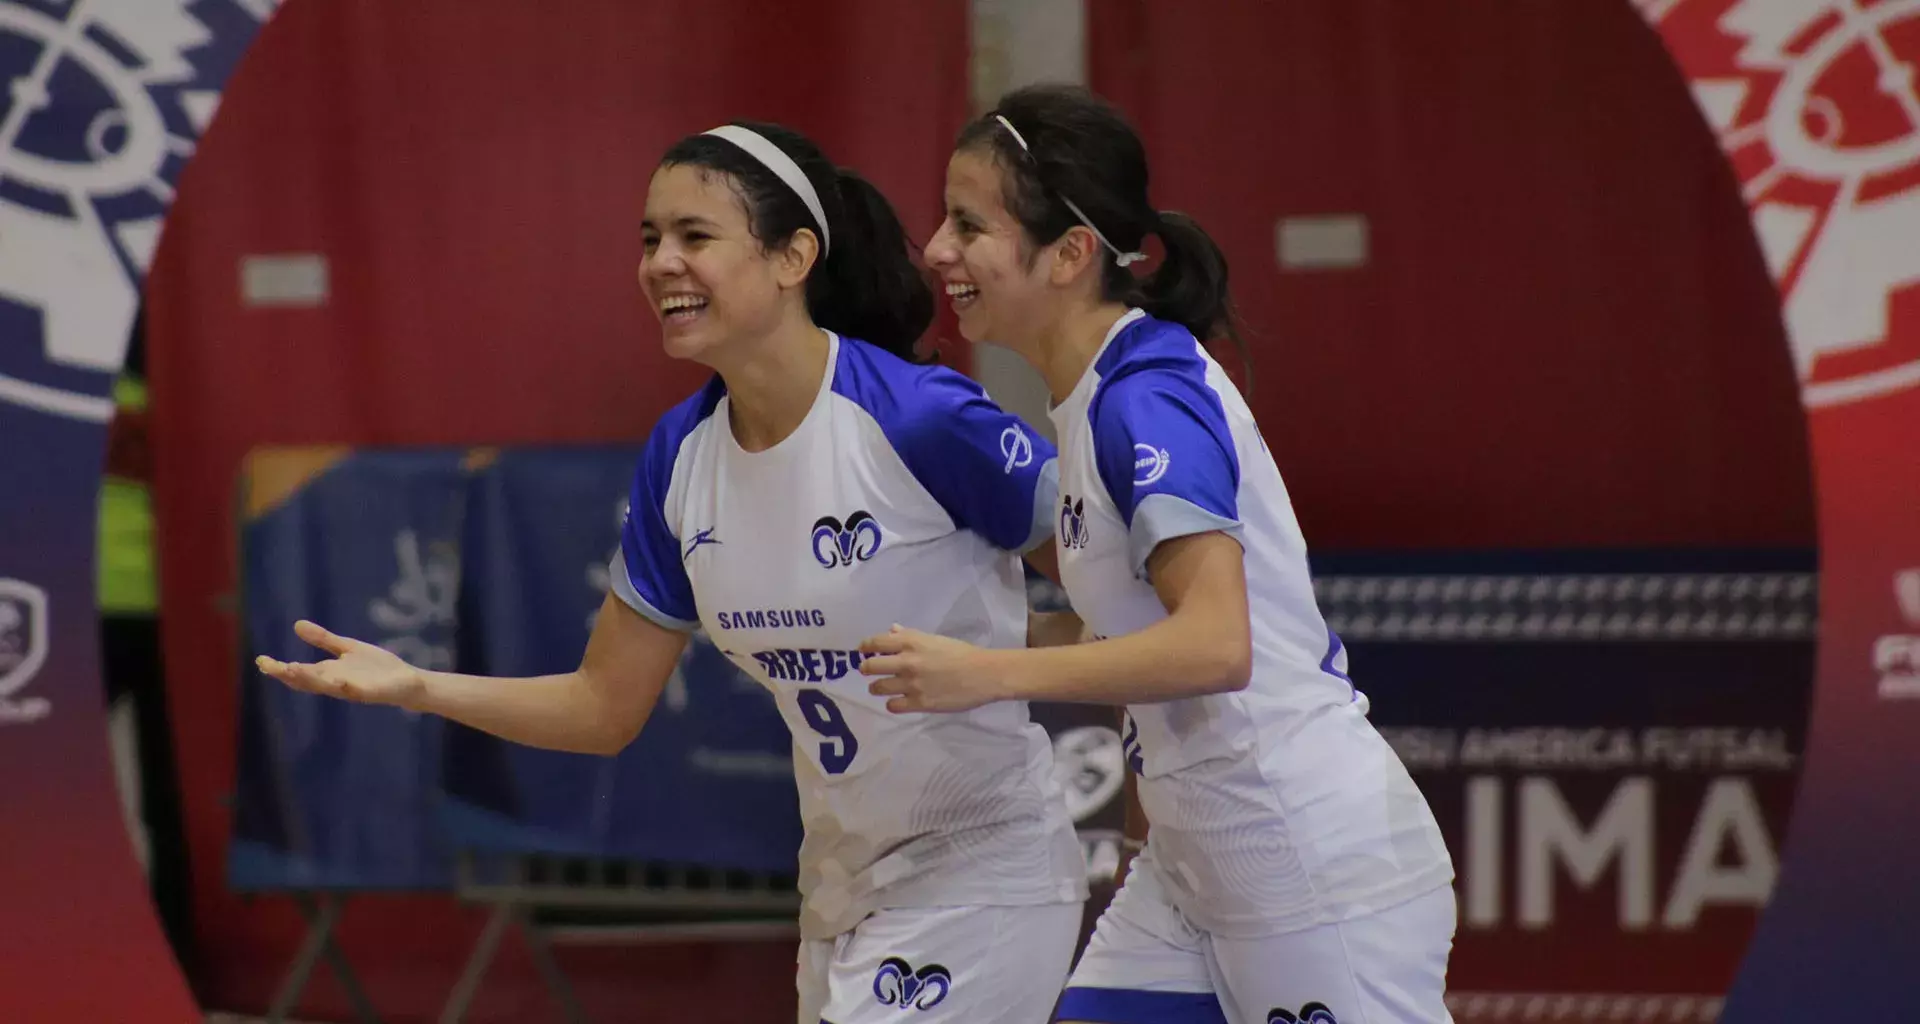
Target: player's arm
x,y
1203,646
1183,537
596,709
1181,510
992,473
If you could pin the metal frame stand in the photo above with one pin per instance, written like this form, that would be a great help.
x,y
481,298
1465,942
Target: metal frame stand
x,y
527,890
322,913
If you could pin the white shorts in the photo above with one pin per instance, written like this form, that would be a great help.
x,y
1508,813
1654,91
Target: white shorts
x,y
1147,964
941,964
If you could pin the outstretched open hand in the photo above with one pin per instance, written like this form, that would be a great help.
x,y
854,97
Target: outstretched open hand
x,y
358,671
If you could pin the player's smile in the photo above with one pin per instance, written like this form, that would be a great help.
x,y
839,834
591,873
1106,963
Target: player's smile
x,y
962,294
677,309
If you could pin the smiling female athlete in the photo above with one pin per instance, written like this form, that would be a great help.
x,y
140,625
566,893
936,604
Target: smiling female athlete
x,y
822,486
1293,872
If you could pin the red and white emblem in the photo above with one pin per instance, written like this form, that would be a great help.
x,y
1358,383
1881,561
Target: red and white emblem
x,y
1817,105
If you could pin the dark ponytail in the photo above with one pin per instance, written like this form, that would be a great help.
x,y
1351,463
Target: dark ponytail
x,y
868,286
871,288
1074,147
1189,287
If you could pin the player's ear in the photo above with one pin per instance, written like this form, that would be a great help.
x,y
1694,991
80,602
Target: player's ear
x,y
796,258
1073,253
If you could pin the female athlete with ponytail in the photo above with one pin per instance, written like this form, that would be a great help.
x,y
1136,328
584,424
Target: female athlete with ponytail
x,y
1292,871
822,485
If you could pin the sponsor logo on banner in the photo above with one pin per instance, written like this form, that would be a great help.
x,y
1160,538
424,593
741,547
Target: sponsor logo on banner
x,y
1896,656
1906,589
1528,840
1584,812
1817,105
1088,765
108,100
416,617
23,650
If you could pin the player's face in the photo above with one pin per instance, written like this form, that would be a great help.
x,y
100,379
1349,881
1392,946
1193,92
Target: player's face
x,y
704,274
981,254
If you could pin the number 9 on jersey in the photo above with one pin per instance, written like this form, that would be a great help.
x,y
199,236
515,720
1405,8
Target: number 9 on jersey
x,y
839,748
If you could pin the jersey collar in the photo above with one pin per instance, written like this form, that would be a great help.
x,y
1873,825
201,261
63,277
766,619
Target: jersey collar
x,y
1073,399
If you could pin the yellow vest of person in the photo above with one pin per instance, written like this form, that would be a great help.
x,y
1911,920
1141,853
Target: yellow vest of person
x,y
126,582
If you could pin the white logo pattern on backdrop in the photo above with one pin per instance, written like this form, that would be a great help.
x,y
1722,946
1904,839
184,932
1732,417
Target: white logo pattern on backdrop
x,y
1830,172
103,103
23,649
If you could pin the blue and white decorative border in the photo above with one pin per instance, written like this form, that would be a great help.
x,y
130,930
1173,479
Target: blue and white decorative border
x,y
1705,606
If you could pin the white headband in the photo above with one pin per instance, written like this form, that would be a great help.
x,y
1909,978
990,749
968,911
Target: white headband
x,y
783,167
1121,258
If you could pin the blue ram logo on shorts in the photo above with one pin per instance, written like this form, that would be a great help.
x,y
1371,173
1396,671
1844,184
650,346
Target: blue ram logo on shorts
x,y
837,543
898,984
1312,1013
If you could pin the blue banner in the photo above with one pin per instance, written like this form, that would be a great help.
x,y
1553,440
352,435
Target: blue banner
x,y
1611,756
331,793
485,563
709,781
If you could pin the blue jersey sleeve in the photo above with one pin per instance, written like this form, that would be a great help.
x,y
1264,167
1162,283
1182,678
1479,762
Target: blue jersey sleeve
x,y
991,471
648,574
1167,457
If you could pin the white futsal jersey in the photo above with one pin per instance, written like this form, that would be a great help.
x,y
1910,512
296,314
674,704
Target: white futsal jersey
x,y
904,496
1277,807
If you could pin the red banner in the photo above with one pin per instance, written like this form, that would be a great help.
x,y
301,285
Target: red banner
x,y
1817,106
